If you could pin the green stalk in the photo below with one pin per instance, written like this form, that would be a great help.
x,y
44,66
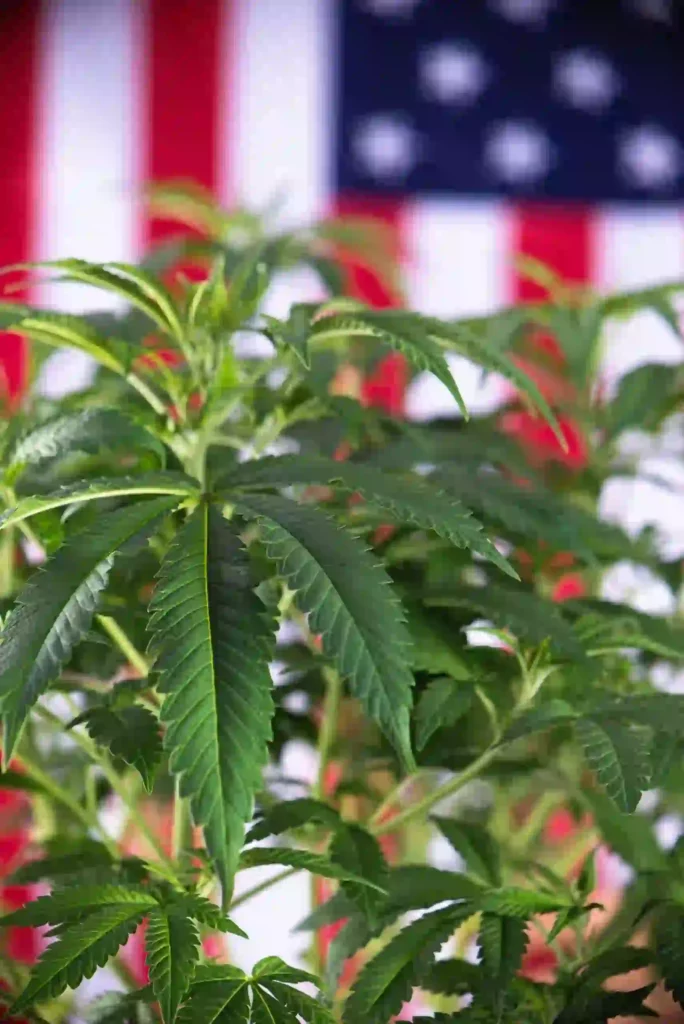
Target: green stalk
x,y
328,729
125,645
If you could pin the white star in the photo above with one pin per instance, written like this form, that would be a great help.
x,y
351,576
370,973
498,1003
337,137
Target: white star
x,y
386,146
655,10
586,79
524,12
649,157
453,72
390,8
518,152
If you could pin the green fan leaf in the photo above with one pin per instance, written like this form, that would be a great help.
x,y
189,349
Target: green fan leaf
x,y
452,977
216,990
663,712
528,616
407,333
55,609
441,704
405,499
292,814
79,951
354,934
386,981
522,903
299,1004
643,398
121,1008
273,968
83,857
618,754
213,641
61,330
502,943
631,836
538,719
348,599
68,904
292,334
476,846
625,627
302,860
356,850
172,943
89,431
131,734
168,483
139,287
613,962
208,914
414,886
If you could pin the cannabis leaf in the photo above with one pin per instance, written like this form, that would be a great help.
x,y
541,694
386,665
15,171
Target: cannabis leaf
x,y
476,846
292,814
441,704
349,602
172,942
619,756
502,943
130,733
356,850
55,609
405,499
386,981
213,641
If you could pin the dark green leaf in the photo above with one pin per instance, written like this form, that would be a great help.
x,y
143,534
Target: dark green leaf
x,y
172,943
538,719
357,851
629,835
349,602
302,860
65,905
441,704
209,915
404,498
414,886
213,641
218,995
130,733
79,951
669,946
292,814
55,609
451,977
386,981
502,942
641,398
521,903
618,755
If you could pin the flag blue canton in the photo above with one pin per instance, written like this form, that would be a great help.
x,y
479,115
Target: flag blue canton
x,y
572,99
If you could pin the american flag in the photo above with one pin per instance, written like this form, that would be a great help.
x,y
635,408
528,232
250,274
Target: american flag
x,y
477,130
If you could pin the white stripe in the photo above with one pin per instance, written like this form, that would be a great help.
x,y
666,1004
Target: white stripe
x,y
278,106
637,247
88,196
458,258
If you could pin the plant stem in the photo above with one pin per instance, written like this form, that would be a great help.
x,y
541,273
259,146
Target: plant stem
x,y
263,886
421,808
147,393
328,728
125,645
181,822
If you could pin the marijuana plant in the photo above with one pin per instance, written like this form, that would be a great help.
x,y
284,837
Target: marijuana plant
x,y
191,501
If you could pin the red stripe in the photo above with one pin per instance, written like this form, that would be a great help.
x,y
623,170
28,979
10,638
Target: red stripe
x,y
18,72
183,90
559,236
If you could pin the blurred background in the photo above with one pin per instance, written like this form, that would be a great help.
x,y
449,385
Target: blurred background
x,y
477,131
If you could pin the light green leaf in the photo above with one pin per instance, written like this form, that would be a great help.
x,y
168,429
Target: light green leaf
x,y
88,431
55,609
386,981
90,490
139,287
61,330
292,814
405,332
172,943
130,733
302,860
618,754
521,903
348,599
213,641
79,951
292,334
405,498
441,704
